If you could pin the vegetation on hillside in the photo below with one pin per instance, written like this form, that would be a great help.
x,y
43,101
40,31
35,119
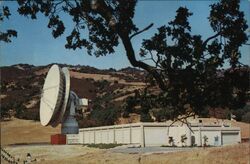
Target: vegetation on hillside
x,y
21,88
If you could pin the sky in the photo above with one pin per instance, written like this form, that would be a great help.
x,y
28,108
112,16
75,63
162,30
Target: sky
x,y
35,44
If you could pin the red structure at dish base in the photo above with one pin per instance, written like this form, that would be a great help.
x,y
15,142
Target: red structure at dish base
x,y
58,139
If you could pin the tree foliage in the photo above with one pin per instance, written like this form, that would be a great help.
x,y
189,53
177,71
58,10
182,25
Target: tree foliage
x,y
130,103
6,35
242,114
246,117
187,68
4,112
102,116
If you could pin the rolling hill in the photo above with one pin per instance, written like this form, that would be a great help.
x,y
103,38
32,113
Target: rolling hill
x,y
21,87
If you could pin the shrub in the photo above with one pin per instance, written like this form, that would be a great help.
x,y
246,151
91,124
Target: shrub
x,y
30,114
242,112
238,114
145,117
87,122
125,114
104,116
5,112
20,111
104,146
246,117
129,106
159,114
3,86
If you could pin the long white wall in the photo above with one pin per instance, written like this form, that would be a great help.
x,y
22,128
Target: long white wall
x,y
126,134
156,134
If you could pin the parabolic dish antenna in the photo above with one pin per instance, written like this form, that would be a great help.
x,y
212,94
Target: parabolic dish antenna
x,y
58,103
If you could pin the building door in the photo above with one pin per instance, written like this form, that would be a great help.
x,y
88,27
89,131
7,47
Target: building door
x,y
229,138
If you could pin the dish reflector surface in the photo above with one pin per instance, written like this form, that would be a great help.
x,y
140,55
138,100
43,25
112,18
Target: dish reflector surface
x,y
52,95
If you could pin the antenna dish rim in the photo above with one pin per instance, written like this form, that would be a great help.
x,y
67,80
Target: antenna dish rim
x,y
60,118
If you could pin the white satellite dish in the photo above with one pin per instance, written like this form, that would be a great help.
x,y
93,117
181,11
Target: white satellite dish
x,y
58,104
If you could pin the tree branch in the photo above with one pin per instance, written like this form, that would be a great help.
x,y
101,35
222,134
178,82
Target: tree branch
x,y
131,57
55,7
145,29
106,13
208,39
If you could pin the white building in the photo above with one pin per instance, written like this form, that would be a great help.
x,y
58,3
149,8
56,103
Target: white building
x,y
158,134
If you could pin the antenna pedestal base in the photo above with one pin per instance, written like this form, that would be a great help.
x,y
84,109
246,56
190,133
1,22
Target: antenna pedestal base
x,y
70,125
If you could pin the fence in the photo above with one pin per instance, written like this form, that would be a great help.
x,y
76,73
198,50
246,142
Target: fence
x,y
7,157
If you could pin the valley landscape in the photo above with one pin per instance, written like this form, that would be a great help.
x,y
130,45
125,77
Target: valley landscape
x,y
25,134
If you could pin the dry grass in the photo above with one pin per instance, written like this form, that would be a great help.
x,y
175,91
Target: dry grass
x,y
223,155
42,71
245,128
78,154
133,118
25,131
98,77
123,97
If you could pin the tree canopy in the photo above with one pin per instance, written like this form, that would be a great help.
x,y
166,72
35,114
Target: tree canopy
x,y
187,69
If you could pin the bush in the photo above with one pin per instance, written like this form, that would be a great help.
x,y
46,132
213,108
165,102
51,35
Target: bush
x,y
87,122
30,114
145,117
3,86
102,84
129,106
240,113
5,112
204,113
246,117
125,114
20,111
104,116
159,114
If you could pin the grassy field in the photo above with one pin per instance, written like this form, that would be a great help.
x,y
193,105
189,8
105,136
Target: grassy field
x,y
19,131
